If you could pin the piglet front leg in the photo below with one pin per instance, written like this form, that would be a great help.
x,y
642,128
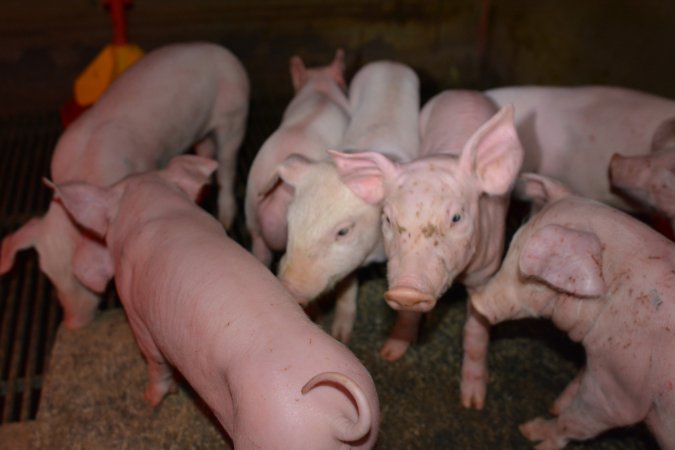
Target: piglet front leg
x,y
402,335
345,308
474,364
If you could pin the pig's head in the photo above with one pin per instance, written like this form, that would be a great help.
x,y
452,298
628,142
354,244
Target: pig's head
x,y
543,264
300,75
649,179
331,231
95,208
431,220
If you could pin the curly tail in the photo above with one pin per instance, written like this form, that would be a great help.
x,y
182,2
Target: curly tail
x,y
346,430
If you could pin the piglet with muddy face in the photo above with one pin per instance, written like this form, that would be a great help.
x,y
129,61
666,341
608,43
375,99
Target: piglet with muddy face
x,y
607,280
198,302
444,213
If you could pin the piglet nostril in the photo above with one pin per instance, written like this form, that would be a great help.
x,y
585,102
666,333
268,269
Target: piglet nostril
x,y
404,298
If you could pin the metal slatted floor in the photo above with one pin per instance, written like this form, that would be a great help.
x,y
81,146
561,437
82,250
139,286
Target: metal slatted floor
x,y
29,313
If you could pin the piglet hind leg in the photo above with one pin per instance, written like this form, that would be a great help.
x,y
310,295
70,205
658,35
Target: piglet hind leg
x,y
160,374
474,364
345,308
564,399
228,140
585,414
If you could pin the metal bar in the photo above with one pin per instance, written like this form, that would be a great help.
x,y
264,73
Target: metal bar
x,y
15,352
8,174
32,347
21,174
29,313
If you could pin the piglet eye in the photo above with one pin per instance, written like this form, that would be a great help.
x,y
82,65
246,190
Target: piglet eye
x,y
456,218
343,232
386,219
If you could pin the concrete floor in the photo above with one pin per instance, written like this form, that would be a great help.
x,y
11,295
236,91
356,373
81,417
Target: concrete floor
x,y
93,395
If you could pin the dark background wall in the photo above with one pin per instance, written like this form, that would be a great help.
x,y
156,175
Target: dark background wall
x,y
45,44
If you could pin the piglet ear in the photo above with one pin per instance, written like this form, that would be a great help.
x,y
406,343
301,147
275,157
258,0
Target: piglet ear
x,y
90,206
190,173
364,173
298,72
292,169
566,259
493,154
540,189
93,265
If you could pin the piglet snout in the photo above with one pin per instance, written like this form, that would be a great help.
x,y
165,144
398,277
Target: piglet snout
x,y
295,292
409,299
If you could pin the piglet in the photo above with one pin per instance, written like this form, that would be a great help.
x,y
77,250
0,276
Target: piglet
x,y
314,121
650,179
607,280
331,231
198,302
174,97
444,213
570,133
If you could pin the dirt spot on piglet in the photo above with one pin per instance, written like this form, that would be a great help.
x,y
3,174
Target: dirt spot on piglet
x,y
429,230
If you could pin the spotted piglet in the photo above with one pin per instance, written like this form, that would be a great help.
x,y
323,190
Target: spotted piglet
x,y
444,213
607,280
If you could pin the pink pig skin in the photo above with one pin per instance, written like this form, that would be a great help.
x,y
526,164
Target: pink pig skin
x,y
198,302
314,121
649,180
608,281
331,231
444,213
571,133
173,97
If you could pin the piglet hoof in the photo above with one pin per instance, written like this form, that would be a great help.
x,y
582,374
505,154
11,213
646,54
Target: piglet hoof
x,y
394,348
544,432
473,394
155,393
77,322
